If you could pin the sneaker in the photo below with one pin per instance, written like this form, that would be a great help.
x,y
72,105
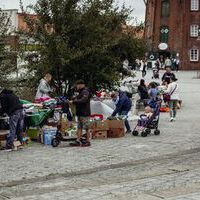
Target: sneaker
x,y
6,149
87,144
75,144
172,119
128,132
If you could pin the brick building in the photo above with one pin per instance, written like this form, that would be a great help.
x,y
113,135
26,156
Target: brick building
x,y
173,29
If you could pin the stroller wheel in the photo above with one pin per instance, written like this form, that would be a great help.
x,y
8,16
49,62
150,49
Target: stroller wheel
x,y
55,142
135,133
144,134
148,131
157,132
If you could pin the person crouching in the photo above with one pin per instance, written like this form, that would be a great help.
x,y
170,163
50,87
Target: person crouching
x,y
123,107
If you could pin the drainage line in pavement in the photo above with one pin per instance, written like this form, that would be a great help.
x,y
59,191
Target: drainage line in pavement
x,y
99,169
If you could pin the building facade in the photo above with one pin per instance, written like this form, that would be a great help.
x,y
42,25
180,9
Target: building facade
x,y
173,30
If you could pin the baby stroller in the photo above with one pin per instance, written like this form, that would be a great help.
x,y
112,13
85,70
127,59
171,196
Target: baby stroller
x,y
145,124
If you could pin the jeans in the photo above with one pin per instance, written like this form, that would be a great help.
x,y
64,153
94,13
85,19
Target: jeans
x,y
16,125
125,113
173,108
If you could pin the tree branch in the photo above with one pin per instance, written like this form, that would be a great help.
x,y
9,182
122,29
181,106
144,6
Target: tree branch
x,y
145,2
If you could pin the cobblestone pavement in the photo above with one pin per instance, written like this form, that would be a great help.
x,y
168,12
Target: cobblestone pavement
x,y
156,167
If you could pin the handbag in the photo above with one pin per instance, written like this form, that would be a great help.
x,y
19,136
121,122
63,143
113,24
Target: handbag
x,y
167,96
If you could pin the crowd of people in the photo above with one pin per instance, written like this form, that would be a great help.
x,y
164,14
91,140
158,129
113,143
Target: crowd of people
x,y
11,106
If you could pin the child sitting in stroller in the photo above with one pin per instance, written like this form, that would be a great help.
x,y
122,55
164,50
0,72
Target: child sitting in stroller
x,y
148,120
144,118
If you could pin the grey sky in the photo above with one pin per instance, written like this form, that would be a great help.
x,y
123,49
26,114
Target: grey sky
x,y
137,5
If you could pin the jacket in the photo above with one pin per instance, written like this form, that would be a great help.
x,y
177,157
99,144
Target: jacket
x,y
143,92
124,104
167,75
82,102
43,89
9,103
173,90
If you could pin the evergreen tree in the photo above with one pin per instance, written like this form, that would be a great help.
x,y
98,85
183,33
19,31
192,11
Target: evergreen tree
x,y
8,56
81,39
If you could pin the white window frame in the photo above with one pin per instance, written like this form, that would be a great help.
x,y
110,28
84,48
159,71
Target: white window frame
x,y
194,55
194,5
194,30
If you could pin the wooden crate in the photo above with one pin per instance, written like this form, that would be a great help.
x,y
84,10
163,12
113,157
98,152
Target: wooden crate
x,y
100,134
116,133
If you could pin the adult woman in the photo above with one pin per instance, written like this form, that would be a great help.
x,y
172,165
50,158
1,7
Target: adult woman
x,y
44,89
143,92
173,91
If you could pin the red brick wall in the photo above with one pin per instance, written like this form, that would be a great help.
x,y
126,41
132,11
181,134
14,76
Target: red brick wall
x,y
179,29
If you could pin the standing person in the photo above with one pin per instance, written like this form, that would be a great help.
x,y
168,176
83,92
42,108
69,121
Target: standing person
x,y
162,62
44,88
168,62
153,91
168,74
177,63
10,105
83,112
123,107
173,91
143,92
144,68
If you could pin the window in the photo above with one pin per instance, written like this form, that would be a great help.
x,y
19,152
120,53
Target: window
x,y
165,8
194,30
194,55
194,5
164,34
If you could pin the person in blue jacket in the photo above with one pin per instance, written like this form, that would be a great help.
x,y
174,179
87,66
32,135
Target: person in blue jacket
x,y
123,107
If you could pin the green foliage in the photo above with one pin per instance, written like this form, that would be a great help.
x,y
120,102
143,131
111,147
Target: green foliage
x,y
7,53
81,39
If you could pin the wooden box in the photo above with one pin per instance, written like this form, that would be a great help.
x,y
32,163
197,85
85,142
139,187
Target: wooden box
x,y
100,135
116,133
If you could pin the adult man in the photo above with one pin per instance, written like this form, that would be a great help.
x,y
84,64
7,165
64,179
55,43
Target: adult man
x,y
123,107
168,62
168,75
44,89
82,103
10,105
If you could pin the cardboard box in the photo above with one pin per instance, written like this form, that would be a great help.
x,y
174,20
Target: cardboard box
x,y
115,124
116,133
100,135
33,133
3,135
101,126
64,126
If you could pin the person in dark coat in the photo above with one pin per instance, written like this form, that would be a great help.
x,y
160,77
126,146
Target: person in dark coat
x,y
168,75
83,112
10,105
143,92
123,107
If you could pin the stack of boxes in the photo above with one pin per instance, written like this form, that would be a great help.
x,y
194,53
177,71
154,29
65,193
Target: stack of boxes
x,y
108,129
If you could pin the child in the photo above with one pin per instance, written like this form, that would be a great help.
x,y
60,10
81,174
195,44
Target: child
x,y
144,118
